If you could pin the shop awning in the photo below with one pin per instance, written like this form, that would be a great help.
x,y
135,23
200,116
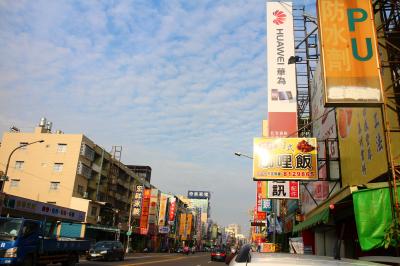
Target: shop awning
x,y
319,218
320,215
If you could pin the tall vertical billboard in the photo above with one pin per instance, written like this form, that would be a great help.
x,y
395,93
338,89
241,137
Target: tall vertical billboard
x,y
162,210
281,87
282,103
153,209
349,53
144,218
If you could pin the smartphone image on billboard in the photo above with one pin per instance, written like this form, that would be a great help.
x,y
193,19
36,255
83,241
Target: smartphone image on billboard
x,y
283,96
274,94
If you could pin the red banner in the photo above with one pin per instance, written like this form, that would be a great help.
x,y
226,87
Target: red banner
x,y
172,207
144,218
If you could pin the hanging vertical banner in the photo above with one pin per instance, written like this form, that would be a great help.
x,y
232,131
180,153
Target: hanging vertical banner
x,y
144,218
172,209
349,53
281,87
153,210
137,201
260,195
182,226
198,225
162,210
189,224
282,96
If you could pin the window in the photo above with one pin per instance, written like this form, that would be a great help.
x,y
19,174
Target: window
x,y
23,145
52,202
80,190
84,170
58,167
61,147
29,228
54,185
93,211
14,183
19,165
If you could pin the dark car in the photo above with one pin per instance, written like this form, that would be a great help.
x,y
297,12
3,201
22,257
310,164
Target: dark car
x,y
106,250
218,254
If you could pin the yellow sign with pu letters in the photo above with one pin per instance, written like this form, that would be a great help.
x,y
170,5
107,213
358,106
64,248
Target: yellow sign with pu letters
x,y
349,53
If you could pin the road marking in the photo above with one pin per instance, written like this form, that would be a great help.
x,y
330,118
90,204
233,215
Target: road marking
x,y
157,261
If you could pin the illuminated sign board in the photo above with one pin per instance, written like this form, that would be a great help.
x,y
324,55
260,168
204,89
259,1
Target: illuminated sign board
x,y
285,159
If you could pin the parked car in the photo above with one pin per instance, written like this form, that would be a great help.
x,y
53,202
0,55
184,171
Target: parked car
x,y
218,254
106,250
246,256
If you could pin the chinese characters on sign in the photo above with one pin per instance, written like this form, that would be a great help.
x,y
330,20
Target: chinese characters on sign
x,y
171,212
137,201
41,208
349,52
281,87
144,218
198,194
362,162
266,205
283,190
285,159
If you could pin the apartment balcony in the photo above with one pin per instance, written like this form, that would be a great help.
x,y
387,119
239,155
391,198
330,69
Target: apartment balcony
x,y
96,168
84,170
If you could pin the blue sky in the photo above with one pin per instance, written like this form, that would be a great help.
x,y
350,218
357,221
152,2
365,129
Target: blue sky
x,y
181,85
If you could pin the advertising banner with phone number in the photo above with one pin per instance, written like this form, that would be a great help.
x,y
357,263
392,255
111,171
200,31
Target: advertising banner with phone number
x,y
285,159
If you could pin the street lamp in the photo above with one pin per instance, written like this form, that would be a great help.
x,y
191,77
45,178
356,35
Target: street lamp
x,y
5,178
244,155
273,200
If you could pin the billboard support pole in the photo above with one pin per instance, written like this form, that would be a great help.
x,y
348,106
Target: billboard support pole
x,y
275,202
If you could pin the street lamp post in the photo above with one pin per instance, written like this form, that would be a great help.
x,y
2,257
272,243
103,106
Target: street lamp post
x,y
244,155
9,158
274,203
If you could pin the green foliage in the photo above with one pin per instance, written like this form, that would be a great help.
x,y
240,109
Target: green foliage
x,y
392,234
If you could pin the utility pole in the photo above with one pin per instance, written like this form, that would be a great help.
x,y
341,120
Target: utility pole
x,y
129,223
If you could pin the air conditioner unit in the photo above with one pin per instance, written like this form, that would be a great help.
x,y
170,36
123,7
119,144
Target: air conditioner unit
x,y
85,195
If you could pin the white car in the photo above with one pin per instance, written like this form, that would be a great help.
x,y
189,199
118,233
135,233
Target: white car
x,y
247,257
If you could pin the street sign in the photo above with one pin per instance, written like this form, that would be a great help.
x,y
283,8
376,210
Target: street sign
x,y
129,233
266,205
283,190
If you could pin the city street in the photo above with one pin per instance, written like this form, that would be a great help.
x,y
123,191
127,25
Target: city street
x,y
198,259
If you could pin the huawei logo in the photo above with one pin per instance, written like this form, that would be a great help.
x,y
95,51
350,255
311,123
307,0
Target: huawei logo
x,y
280,17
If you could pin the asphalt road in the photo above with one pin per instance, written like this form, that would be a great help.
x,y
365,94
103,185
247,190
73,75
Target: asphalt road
x,y
197,259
